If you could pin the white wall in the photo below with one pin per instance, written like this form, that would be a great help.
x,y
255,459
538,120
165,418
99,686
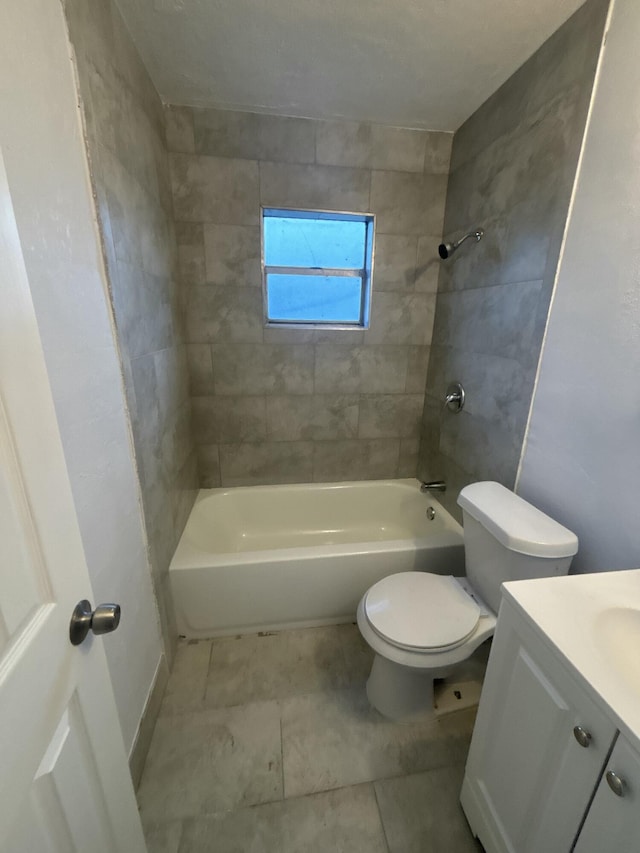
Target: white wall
x,y
40,135
581,461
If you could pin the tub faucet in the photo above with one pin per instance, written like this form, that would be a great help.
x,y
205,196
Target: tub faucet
x,y
435,486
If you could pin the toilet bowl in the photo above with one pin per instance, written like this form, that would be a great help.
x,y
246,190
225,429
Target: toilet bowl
x,y
422,625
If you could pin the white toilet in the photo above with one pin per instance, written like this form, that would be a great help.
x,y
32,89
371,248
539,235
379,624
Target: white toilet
x,y
421,625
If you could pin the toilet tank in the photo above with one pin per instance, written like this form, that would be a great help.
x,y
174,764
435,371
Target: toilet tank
x,y
508,539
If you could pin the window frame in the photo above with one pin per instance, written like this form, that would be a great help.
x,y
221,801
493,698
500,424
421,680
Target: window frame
x,y
365,274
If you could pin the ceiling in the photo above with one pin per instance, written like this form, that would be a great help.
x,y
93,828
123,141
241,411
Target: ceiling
x,y
413,63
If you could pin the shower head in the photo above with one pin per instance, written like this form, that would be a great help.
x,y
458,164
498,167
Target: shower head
x,y
445,250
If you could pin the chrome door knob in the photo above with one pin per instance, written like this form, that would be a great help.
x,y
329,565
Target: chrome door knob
x,y
616,783
103,620
582,736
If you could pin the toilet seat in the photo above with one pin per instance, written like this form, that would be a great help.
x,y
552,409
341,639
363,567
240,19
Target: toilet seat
x,y
423,612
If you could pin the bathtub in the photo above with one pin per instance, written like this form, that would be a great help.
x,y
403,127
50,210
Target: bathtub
x,y
263,558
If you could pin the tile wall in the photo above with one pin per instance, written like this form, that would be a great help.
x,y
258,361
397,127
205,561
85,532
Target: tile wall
x,y
512,171
130,175
278,405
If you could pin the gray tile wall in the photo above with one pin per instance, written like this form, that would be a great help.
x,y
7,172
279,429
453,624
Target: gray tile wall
x,y
278,405
512,170
130,175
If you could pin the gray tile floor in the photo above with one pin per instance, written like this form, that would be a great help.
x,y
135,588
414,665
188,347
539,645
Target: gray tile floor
x,y
267,744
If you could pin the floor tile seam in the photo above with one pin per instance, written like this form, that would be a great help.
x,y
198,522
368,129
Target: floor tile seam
x,y
207,815
384,829
279,698
204,815
204,707
180,837
343,649
451,764
374,781
325,692
159,824
153,825
360,687
200,709
182,712
284,796
206,678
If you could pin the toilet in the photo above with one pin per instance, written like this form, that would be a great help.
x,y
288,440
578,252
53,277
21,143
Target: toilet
x,y
421,625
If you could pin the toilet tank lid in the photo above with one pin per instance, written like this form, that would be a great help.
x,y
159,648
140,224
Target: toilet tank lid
x,y
516,524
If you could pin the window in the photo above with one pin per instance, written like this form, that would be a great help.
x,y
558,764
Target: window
x,y
316,267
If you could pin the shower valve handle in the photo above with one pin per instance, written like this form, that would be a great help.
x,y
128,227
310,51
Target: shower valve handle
x,y
454,399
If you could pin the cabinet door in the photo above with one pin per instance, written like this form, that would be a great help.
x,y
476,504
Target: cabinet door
x,y
528,780
613,821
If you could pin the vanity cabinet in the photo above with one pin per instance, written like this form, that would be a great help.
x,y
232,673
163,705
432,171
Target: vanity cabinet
x,y
538,750
613,820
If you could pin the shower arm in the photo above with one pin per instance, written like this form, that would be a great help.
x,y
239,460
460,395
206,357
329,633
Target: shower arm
x,y
445,250
477,234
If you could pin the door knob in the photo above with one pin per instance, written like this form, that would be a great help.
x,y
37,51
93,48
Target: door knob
x,y
103,620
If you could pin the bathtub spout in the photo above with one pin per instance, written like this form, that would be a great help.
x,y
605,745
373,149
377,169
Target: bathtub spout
x,y
435,486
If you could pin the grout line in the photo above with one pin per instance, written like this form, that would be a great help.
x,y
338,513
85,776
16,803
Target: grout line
x,y
415,267
448,291
315,142
281,751
209,661
213,371
181,835
384,831
345,660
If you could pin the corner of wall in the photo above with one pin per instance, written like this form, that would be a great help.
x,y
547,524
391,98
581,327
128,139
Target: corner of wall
x,y
567,222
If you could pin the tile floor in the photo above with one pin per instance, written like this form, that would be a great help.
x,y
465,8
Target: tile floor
x,y
267,744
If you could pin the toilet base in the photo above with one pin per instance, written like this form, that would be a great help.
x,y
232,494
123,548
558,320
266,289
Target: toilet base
x,y
401,692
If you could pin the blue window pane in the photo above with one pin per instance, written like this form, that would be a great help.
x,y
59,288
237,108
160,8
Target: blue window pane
x,y
314,298
302,242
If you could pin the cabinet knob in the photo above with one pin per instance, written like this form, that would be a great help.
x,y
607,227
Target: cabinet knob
x,y
582,736
617,784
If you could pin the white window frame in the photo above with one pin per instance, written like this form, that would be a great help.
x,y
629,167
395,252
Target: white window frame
x,y
364,273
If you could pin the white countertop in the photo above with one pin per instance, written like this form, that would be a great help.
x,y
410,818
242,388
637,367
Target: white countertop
x,y
579,615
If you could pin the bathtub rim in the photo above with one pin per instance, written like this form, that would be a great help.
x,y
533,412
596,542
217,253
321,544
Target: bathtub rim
x,y
188,556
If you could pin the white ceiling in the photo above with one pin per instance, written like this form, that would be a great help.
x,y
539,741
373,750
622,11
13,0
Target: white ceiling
x,y
413,63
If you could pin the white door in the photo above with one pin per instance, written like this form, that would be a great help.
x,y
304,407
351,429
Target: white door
x,y
64,780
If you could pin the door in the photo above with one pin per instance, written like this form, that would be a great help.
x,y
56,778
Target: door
x,y
64,780
613,821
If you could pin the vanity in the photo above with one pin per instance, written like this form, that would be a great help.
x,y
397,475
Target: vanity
x,y
554,762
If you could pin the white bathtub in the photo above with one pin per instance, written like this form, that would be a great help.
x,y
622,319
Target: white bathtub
x,y
268,557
